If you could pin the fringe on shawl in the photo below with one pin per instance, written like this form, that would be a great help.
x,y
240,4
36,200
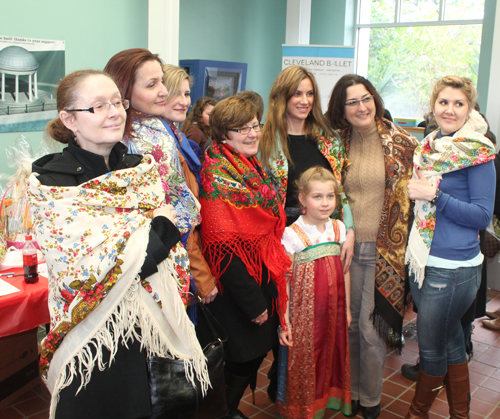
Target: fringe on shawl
x,y
121,325
414,267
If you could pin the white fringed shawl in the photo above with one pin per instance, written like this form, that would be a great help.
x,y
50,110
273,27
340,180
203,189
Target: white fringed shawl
x,y
94,239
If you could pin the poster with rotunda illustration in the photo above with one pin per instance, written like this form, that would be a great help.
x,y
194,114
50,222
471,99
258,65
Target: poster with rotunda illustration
x,y
30,70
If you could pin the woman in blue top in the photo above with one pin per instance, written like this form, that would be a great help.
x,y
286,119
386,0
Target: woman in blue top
x,y
452,203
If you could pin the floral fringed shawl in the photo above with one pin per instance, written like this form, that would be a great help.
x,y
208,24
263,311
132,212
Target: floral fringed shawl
x,y
242,216
390,271
94,239
436,156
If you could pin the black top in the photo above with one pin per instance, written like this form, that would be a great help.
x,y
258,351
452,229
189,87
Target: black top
x,y
305,154
241,300
122,389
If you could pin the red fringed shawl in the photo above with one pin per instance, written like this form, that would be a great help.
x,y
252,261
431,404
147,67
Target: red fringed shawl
x,y
242,216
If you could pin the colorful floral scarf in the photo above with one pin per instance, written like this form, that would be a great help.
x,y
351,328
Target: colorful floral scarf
x,y
243,216
330,146
151,137
435,157
94,238
390,272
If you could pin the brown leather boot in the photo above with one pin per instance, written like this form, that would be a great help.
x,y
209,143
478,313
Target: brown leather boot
x,y
458,390
426,392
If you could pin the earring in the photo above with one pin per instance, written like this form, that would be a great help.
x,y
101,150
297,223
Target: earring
x,y
223,141
303,211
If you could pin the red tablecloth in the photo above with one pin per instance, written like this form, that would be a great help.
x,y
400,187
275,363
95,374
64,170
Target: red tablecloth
x,y
26,309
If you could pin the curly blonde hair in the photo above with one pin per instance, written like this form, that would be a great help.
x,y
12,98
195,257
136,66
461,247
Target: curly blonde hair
x,y
463,83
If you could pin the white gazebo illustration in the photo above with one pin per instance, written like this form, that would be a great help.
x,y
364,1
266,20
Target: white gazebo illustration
x,y
18,61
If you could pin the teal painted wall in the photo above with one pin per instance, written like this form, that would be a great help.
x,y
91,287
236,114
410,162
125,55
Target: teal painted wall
x,y
245,31
328,22
94,30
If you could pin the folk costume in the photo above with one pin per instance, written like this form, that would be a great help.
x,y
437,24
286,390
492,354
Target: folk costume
x,y
306,152
460,166
241,232
314,374
375,183
95,238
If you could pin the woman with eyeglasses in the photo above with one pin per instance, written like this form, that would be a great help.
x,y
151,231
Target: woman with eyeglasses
x,y
114,256
139,75
381,161
243,225
454,199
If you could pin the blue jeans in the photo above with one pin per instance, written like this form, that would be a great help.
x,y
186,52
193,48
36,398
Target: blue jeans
x,y
445,296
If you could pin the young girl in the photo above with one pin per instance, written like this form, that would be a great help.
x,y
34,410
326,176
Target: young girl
x,y
314,369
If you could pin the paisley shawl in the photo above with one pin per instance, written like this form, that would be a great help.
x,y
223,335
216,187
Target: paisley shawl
x,y
390,272
94,238
436,156
242,216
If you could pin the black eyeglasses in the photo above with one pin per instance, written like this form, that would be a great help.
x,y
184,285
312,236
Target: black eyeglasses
x,y
101,107
246,130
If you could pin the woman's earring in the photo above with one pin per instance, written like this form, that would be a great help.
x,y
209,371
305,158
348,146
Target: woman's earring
x,y
303,211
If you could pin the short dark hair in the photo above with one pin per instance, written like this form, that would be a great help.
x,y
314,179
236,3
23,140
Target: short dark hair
x,y
232,112
335,112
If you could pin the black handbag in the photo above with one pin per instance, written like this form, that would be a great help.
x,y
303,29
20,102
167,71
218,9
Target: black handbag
x,y
174,397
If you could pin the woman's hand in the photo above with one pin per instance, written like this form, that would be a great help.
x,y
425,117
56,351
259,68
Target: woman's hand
x,y
168,212
285,338
421,188
347,251
261,319
210,296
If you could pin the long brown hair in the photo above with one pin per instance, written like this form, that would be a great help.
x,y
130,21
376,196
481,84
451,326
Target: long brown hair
x,y
123,67
336,105
275,128
196,115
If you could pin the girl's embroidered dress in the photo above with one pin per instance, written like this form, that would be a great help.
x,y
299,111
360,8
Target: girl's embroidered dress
x,y
314,374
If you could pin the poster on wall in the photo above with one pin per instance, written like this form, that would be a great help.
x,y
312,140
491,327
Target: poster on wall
x,y
30,70
328,63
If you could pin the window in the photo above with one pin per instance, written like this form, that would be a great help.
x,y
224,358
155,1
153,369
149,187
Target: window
x,y
404,46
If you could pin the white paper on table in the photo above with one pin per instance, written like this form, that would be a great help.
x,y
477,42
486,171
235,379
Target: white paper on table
x,y
6,288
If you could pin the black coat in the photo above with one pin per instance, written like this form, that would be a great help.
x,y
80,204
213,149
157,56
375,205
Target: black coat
x,y
240,300
122,389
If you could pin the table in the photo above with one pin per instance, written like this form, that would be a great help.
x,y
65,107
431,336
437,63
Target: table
x,y
26,309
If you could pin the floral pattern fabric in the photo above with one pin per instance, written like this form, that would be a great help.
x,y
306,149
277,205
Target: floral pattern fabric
x,y
330,146
94,238
151,137
435,157
244,216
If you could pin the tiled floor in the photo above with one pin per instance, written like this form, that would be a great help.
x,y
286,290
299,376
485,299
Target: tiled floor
x,y
397,393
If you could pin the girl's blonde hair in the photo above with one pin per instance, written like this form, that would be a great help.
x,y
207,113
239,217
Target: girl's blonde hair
x,y
173,76
317,174
275,128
